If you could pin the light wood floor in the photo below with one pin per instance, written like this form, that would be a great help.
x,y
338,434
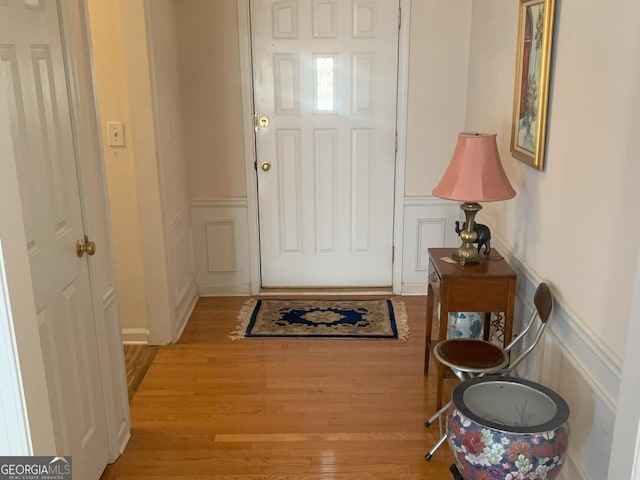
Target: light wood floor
x,y
137,360
283,409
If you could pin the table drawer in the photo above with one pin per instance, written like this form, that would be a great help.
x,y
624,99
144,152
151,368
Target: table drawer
x,y
488,295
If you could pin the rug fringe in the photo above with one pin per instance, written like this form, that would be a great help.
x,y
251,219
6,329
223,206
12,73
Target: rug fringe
x,y
243,318
402,320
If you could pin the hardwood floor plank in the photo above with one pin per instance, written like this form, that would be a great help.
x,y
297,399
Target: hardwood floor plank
x,y
138,359
283,409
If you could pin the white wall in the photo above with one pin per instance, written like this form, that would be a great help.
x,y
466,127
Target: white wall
x,y
167,93
438,71
147,179
112,92
212,104
625,448
209,62
573,224
145,158
569,221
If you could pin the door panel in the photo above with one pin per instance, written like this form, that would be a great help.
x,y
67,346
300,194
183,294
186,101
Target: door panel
x,y
325,77
34,98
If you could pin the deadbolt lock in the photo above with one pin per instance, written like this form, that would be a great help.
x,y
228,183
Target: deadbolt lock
x,y
259,121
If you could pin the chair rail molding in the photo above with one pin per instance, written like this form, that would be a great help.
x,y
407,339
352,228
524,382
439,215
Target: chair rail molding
x,y
219,202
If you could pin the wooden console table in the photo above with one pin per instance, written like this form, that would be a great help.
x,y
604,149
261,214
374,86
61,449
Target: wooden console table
x,y
484,287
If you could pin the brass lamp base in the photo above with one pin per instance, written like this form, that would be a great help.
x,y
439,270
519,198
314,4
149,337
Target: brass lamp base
x,y
468,252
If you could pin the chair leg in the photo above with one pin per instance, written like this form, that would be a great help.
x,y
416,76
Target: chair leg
x,y
434,417
428,456
437,415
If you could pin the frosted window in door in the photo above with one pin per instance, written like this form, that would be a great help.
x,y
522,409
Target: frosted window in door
x,y
325,84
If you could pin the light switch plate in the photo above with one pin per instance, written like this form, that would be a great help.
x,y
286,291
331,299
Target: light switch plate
x,y
115,132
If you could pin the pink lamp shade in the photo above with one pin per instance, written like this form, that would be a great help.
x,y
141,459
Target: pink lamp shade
x,y
475,173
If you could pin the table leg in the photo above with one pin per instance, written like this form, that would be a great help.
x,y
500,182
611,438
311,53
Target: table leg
x,y
427,350
486,329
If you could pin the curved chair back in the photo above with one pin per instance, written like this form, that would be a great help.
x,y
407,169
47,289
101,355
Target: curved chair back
x,y
543,301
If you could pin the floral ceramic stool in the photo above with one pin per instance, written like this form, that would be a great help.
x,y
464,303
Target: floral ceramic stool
x,y
507,428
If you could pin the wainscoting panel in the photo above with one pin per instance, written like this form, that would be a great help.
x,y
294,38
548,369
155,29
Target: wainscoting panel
x,y
182,275
428,223
117,406
221,246
570,361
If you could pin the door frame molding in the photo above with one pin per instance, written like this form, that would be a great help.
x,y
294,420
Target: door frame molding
x,y
246,77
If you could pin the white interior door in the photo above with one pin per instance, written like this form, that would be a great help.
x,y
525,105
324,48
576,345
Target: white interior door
x,y
34,102
325,80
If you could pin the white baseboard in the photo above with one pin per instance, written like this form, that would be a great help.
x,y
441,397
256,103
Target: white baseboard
x,y
224,291
414,288
184,310
135,336
124,443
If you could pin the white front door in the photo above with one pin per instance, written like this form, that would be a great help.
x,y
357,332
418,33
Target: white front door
x,y
325,88
34,102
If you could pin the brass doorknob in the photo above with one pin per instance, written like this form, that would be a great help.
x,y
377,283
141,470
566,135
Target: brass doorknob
x,y
265,166
85,246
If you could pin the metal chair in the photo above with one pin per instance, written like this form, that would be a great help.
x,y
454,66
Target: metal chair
x,y
469,358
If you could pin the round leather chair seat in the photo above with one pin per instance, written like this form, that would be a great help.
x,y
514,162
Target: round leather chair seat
x,y
471,355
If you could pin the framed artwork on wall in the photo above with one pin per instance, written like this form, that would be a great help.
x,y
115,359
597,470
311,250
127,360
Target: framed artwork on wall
x,y
531,91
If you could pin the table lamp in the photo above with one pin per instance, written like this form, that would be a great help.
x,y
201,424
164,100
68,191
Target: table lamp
x,y
474,175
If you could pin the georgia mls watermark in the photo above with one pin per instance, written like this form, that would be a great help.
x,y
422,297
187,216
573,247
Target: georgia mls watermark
x,y
35,468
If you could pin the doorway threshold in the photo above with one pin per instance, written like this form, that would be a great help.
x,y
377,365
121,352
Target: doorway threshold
x,y
318,291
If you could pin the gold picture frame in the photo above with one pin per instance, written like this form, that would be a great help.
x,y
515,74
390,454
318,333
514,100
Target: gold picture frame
x,y
531,90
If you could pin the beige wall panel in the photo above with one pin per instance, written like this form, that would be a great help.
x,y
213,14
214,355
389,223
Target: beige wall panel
x,y
212,104
437,89
113,105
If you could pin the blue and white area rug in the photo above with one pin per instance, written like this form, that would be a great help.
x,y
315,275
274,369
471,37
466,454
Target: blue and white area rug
x,y
322,319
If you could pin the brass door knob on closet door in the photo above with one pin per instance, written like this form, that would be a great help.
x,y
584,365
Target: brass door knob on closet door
x,y
85,246
265,166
